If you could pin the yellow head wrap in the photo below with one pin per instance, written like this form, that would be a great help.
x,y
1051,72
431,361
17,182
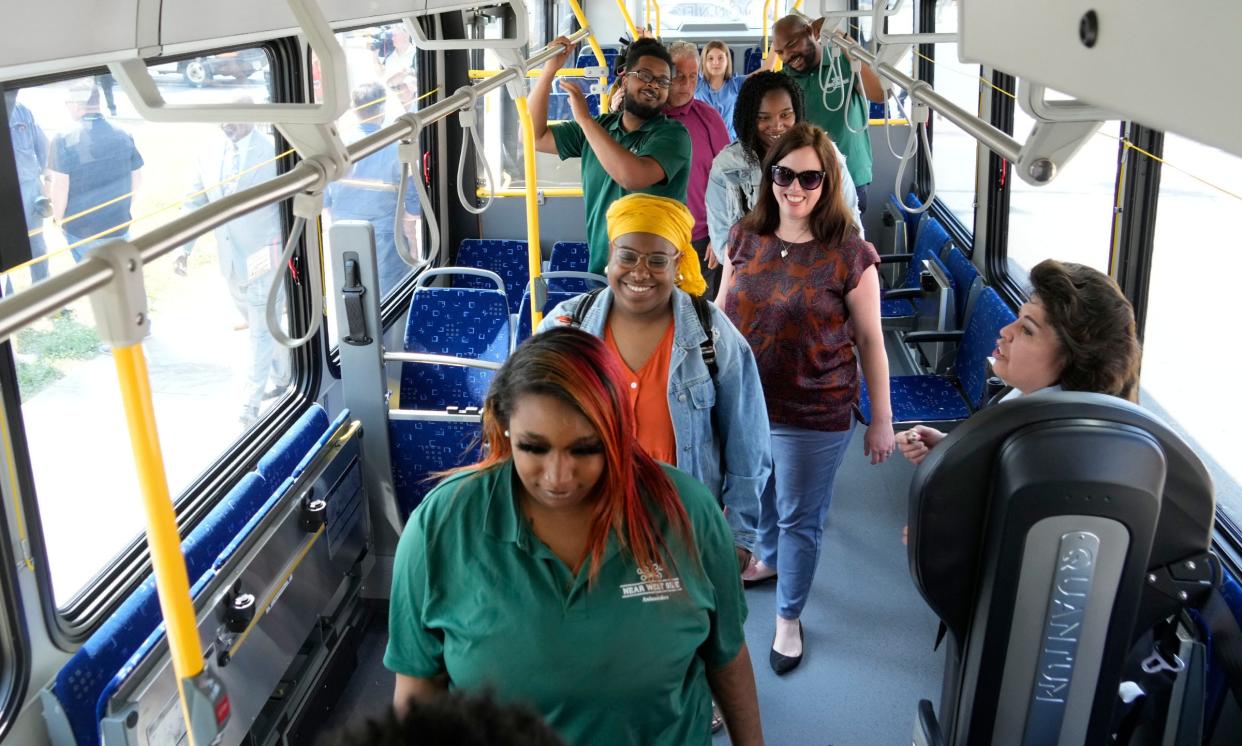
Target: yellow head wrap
x,y
663,217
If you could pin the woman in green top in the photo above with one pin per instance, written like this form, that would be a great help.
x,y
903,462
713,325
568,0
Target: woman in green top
x,y
571,572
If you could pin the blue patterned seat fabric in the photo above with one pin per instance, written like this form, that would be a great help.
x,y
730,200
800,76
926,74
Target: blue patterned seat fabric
x,y
964,275
931,240
422,448
933,398
554,297
463,322
569,256
505,257
103,663
279,462
559,110
586,58
752,58
913,219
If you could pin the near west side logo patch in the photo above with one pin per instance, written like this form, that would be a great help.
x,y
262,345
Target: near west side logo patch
x,y
653,585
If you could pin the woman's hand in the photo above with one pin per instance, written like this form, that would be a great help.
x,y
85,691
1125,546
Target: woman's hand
x,y
917,441
878,442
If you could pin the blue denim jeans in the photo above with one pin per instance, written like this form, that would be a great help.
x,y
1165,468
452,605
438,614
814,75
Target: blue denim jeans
x,y
79,253
794,507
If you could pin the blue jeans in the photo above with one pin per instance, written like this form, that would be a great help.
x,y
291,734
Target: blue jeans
x,y
79,253
794,507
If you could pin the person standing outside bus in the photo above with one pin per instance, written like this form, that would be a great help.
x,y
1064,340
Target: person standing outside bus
x,y
248,248
796,41
637,149
369,192
95,169
708,136
30,153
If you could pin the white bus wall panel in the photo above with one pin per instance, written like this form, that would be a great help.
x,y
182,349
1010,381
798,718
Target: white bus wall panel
x,y
40,32
1169,66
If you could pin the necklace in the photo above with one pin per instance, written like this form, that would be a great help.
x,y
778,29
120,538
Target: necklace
x,y
785,245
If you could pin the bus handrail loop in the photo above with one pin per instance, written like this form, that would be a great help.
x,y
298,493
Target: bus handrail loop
x,y
410,156
136,81
517,41
307,206
918,130
468,117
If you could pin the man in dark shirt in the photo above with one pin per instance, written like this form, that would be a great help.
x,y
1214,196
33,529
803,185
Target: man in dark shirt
x,y
30,153
95,171
369,192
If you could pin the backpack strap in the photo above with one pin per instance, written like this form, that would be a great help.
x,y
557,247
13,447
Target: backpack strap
x,y
703,310
580,312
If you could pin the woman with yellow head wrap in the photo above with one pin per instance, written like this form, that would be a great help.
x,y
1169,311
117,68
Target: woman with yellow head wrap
x,y
663,217
688,414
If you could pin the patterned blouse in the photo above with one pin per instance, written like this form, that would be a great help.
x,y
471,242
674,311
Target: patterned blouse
x,y
792,311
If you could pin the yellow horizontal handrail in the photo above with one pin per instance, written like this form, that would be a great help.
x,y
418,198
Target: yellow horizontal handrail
x,y
484,192
564,72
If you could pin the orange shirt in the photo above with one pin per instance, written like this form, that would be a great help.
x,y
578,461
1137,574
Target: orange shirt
x,y
649,394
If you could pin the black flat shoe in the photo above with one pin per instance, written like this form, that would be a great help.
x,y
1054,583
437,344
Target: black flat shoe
x,y
783,664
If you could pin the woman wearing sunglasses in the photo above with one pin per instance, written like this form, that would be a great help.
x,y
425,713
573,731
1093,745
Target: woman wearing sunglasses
x,y
805,293
710,424
768,105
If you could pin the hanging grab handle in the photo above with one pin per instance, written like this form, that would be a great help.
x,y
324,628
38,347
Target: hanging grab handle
x,y
470,132
408,154
517,41
918,129
305,207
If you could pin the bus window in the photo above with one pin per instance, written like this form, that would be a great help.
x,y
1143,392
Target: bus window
x,y
1070,218
684,15
93,171
1186,376
954,153
382,69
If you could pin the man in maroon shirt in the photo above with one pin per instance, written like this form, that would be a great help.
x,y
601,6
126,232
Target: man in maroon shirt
x,y
708,136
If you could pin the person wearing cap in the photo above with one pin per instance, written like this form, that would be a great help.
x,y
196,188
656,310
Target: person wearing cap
x,y
95,169
637,149
714,428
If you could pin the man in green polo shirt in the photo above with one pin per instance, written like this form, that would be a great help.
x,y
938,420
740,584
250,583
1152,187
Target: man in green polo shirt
x,y
796,41
637,149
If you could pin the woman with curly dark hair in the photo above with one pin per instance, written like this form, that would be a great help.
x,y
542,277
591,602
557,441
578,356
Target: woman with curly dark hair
x,y
768,105
1076,333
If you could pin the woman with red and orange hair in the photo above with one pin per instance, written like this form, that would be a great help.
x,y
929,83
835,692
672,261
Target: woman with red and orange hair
x,y
570,571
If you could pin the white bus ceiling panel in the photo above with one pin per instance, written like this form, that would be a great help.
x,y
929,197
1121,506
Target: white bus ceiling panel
x,y
192,23
65,29
1121,55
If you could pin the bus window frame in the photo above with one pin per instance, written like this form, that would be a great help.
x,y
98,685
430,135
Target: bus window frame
x,y
70,625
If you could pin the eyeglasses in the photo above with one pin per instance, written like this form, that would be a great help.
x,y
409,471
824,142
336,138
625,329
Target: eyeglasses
x,y
647,78
810,180
656,261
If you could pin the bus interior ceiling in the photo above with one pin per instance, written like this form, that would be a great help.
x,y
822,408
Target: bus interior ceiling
x,y
290,469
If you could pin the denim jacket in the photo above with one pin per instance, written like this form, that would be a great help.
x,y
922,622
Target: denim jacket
x,y
735,177
737,397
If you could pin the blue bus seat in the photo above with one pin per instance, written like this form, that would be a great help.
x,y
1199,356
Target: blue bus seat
x,y
422,448
562,286
570,256
92,676
586,58
84,685
505,257
900,302
752,58
935,398
279,462
560,111
967,281
462,322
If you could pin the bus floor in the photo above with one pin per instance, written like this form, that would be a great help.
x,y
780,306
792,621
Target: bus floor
x,y
869,635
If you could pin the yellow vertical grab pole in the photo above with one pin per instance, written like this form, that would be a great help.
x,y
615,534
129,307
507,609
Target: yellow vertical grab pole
x,y
533,254
656,3
599,52
625,13
171,580
123,318
763,23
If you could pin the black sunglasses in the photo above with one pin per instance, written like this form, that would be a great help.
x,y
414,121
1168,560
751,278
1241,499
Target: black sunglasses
x,y
810,180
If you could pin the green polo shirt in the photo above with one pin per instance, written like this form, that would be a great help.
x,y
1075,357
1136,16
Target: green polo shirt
x,y
476,595
661,138
855,146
